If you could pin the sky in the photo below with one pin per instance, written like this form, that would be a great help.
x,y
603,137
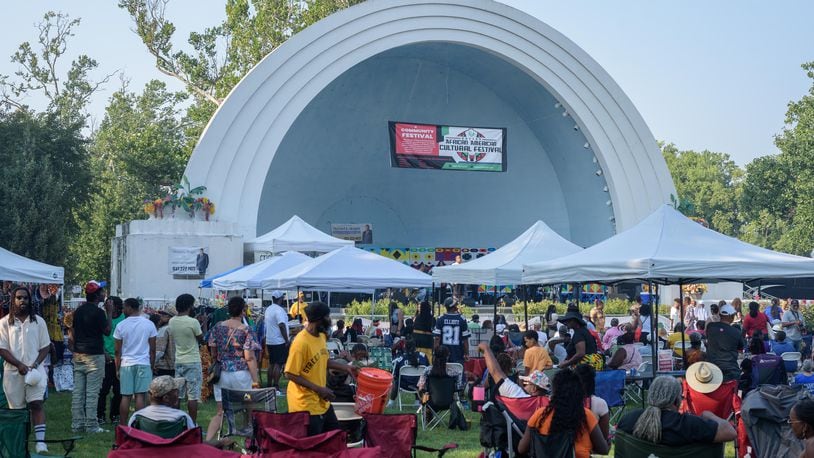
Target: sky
x,y
714,75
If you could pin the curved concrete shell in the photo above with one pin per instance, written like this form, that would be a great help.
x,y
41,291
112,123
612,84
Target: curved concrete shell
x,y
306,131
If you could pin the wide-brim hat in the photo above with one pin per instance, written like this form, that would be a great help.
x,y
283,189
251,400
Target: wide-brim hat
x,y
704,377
572,315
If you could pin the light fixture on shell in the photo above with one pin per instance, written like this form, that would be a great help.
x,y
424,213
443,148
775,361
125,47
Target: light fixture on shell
x,y
586,145
598,172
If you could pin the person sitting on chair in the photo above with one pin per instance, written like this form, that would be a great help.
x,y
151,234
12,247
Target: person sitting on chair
x,y
163,407
536,384
627,356
780,344
801,419
661,422
567,414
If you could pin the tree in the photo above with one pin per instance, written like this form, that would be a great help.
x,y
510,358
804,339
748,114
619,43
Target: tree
x,y
44,178
796,144
68,94
139,146
221,55
708,186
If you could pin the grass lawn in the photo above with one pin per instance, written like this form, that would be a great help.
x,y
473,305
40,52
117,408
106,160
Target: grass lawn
x,y
58,411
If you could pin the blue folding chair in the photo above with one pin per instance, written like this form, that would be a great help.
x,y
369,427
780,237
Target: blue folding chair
x,y
610,386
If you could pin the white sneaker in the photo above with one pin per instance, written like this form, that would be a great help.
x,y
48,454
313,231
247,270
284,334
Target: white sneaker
x,y
96,430
41,447
390,403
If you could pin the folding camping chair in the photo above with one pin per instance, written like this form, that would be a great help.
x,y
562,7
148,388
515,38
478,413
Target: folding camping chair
x,y
396,434
610,386
238,407
768,369
334,348
516,412
15,427
166,429
134,443
634,391
382,357
408,371
632,447
456,370
722,402
441,397
133,438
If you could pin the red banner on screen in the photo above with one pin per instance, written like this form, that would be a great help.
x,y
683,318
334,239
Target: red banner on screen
x,y
416,139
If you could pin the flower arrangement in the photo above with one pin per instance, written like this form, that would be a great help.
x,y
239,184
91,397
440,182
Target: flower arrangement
x,y
183,196
695,289
206,205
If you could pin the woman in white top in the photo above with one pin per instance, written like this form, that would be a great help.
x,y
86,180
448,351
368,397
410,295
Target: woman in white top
x,y
627,356
598,406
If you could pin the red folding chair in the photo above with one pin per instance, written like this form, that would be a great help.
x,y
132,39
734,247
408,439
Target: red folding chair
x,y
396,434
517,412
723,402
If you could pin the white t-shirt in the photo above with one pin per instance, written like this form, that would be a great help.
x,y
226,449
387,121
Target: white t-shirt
x,y
560,352
275,315
598,406
161,413
135,333
509,389
542,338
702,312
674,314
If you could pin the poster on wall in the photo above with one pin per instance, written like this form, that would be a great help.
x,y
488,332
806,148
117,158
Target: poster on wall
x,y
362,234
430,146
187,260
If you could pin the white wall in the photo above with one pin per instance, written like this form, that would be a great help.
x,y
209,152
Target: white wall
x,y
140,255
715,292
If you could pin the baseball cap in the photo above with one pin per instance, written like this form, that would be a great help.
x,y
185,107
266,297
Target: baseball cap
x,y
163,384
276,294
537,378
92,286
727,310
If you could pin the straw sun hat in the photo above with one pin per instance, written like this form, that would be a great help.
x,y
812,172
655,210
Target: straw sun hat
x,y
704,377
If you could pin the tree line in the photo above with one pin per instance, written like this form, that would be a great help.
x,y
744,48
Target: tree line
x,y
67,183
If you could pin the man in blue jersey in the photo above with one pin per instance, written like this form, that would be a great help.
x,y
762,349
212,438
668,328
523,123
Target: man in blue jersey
x,y
451,331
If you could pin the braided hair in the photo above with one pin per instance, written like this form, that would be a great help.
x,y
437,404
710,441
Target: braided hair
x,y
664,392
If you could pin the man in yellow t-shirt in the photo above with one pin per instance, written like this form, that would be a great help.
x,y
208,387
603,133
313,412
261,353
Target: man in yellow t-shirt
x,y
298,308
535,358
307,370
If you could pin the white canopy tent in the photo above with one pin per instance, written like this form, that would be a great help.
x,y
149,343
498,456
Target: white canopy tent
x,y
252,276
668,247
350,269
296,235
16,268
504,266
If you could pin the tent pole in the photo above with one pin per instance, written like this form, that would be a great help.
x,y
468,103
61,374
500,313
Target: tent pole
x,y
373,305
525,306
494,313
653,337
683,332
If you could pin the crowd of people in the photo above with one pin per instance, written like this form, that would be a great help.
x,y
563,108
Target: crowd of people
x,y
151,362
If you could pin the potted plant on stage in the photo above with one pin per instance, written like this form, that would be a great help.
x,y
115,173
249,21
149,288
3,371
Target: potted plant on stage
x,y
187,197
695,290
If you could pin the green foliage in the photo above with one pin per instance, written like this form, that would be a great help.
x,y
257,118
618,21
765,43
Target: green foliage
x,y
140,146
708,186
68,94
612,307
44,178
218,57
796,144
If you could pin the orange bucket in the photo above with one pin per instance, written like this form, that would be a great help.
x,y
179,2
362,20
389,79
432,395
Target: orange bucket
x,y
372,390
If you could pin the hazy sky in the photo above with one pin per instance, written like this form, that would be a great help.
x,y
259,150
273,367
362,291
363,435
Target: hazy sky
x,y
704,74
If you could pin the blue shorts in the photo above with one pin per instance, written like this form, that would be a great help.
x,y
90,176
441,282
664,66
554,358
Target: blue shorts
x,y
135,379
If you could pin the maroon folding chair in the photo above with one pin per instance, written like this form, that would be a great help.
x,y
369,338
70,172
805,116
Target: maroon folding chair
x,y
132,438
396,434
